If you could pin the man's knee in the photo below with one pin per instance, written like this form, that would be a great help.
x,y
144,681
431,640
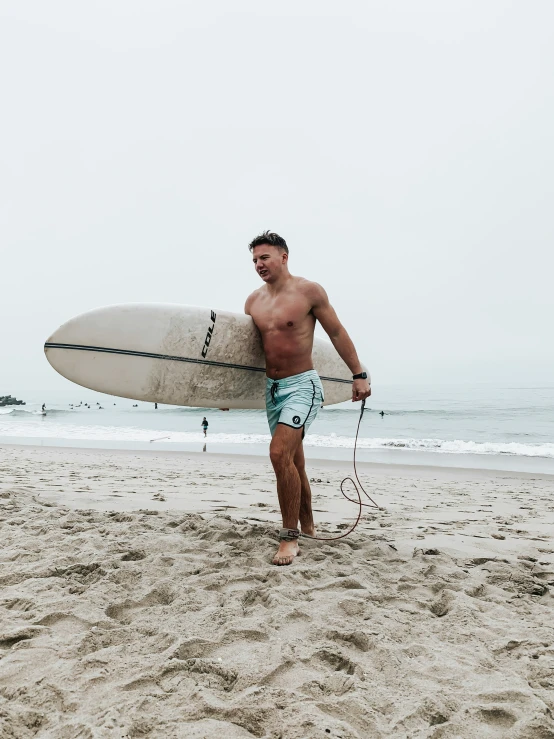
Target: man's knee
x,y
280,454
299,460
300,465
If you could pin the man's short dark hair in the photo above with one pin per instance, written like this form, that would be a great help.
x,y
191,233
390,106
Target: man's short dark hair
x,y
270,238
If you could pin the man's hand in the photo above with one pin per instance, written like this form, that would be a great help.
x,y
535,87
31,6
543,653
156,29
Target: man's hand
x,y
361,389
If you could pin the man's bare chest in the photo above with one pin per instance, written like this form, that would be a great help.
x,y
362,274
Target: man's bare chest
x,y
282,314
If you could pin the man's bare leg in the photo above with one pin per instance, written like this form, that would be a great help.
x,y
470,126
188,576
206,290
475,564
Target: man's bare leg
x,y
306,515
282,451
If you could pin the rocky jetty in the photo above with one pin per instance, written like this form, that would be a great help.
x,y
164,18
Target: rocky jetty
x,y
8,400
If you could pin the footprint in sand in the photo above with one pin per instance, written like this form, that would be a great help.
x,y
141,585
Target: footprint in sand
x,y
123,612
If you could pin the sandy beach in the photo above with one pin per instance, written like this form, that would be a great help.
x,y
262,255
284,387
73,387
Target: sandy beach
x,y
137,599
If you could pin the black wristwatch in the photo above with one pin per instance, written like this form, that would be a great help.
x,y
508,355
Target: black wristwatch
x,y
361,376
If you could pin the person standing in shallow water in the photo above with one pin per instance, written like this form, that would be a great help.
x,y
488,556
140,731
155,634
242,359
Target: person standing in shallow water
x,y
204,425
285,310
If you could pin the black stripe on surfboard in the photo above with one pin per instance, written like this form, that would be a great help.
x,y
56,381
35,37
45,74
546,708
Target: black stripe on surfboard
x,y
168,357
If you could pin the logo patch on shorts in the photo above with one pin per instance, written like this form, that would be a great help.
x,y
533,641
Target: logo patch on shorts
x,y
296,419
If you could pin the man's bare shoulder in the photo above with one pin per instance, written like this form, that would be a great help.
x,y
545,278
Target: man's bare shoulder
x,y
313,291
251,299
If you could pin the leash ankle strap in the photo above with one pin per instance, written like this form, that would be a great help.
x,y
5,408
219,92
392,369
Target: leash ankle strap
x,y
289,534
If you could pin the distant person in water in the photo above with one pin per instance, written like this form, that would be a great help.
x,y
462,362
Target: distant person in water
x,y
155,406
381,413
44,407
204,425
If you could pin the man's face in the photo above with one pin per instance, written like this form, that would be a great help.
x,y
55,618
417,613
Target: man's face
x,y
268,261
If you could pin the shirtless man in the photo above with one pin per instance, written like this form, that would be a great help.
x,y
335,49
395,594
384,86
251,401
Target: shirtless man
x,y
285,310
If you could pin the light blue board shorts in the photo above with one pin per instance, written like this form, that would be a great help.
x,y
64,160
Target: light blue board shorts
x,y
294,401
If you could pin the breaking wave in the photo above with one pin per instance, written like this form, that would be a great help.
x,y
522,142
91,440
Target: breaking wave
x,y
25,412
456,446
133,434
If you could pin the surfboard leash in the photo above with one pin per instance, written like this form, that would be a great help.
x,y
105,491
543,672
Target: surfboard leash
x,y
361,505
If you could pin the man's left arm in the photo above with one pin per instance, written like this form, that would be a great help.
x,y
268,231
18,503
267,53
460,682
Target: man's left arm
x,y
325,314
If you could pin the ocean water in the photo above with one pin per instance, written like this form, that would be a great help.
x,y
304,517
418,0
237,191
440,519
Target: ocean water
x,y
484,426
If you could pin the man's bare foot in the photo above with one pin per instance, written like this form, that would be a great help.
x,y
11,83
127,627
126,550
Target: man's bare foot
x,y
308,528
287,551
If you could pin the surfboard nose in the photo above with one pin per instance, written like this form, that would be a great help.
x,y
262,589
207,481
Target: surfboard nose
x,y
52,339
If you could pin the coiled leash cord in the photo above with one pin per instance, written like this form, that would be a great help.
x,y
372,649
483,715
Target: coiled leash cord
x,y
361,505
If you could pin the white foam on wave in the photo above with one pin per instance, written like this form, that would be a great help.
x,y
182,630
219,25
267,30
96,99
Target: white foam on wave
x,y
456,446
126,433
132,434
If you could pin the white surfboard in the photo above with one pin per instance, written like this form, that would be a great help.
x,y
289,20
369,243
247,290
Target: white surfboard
x,y
177,354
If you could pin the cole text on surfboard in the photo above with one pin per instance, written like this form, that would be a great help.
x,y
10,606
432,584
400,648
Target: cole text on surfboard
x,y
209,335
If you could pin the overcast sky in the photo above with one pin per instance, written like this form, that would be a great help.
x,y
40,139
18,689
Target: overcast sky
x,y
404,150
